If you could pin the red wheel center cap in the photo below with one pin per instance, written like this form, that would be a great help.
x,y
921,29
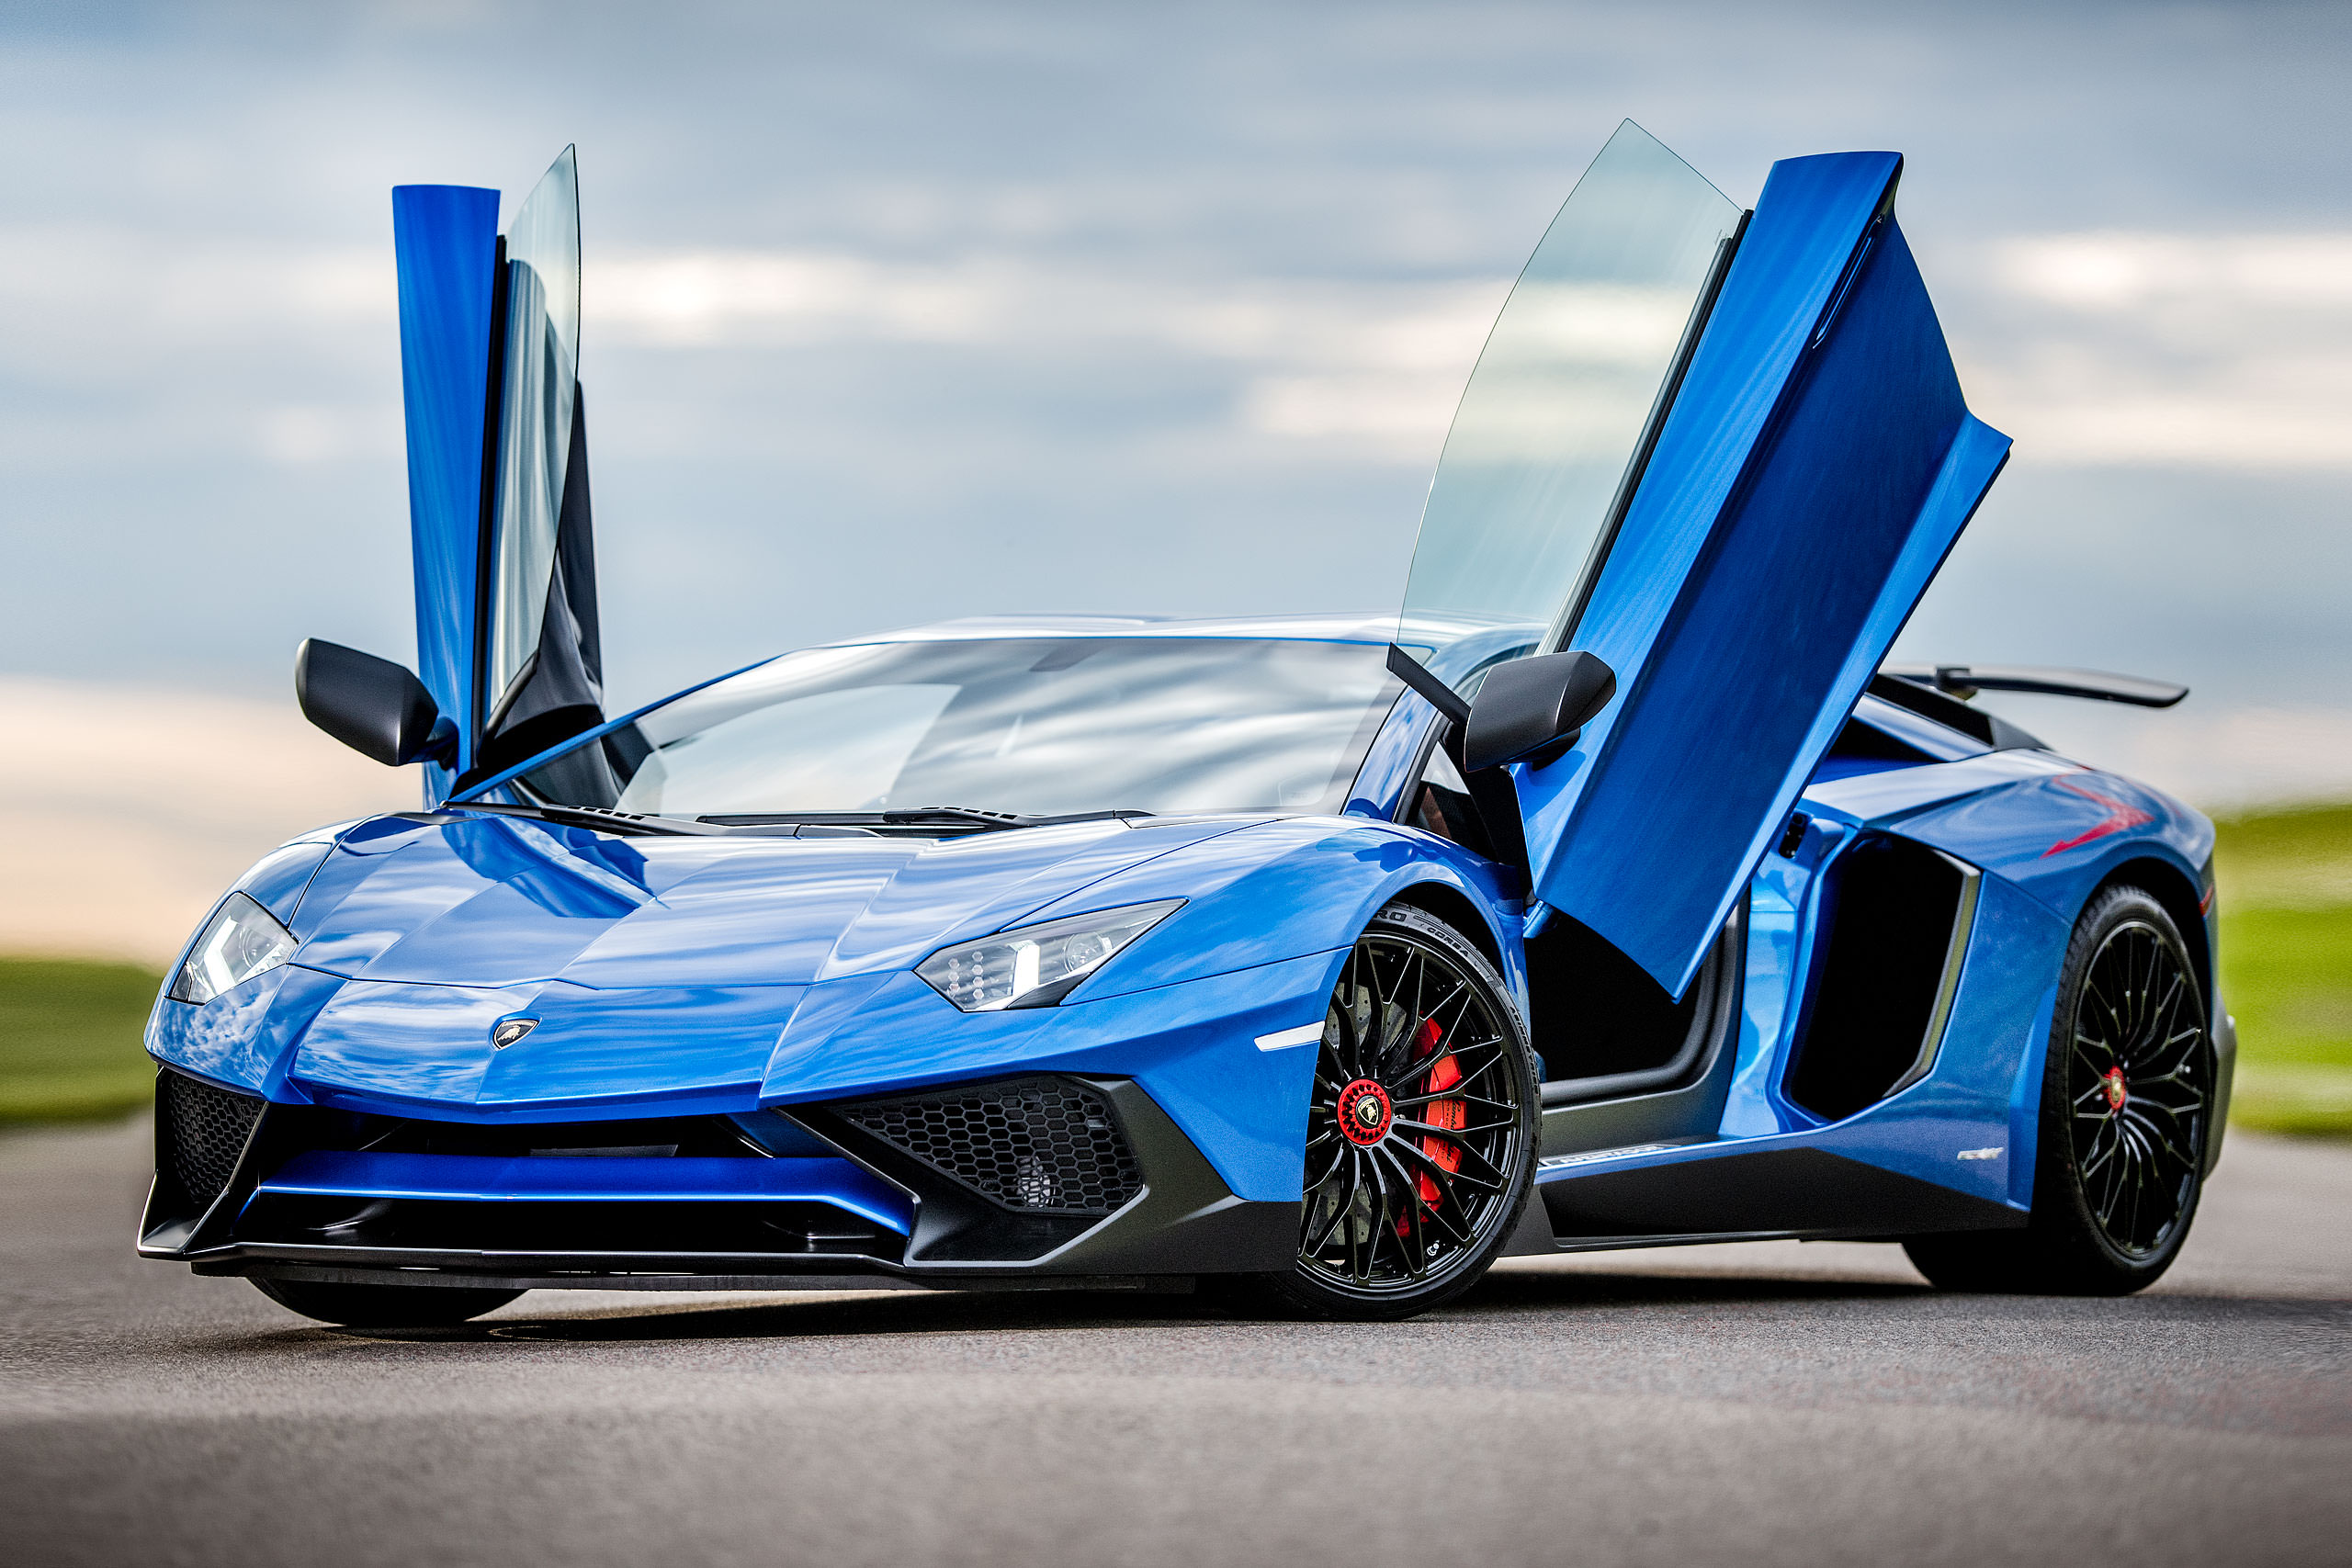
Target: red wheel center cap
x,y
2112,1082
1364,1112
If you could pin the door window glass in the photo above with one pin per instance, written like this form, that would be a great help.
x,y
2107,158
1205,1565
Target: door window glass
x,y
1548,438
542,372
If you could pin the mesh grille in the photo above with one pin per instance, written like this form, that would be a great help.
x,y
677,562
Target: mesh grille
x,y
1037,1143
205,1131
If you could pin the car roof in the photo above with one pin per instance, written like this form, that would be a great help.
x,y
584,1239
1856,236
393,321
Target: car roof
x,y
1341,627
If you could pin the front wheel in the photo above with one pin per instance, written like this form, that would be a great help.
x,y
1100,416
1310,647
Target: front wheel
x,y
2127,1092
383,1306
1422,1130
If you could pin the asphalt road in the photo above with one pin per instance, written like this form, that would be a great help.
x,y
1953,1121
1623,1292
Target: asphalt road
x,y
1769,1403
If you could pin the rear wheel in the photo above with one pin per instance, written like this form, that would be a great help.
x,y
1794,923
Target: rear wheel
x,y
383,1306
2126,1094
1422,1130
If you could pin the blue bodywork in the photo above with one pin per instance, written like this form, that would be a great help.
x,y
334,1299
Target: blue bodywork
x,y
1807,482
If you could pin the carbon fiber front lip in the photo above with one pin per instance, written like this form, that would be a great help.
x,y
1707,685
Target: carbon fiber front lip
x,y
244,1257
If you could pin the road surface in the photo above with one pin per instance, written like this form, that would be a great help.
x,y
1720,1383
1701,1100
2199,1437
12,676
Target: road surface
x,y
1768,1403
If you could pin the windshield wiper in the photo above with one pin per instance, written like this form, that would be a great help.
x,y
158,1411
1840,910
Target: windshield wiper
x,y
595,817
984,821
786,824
967,818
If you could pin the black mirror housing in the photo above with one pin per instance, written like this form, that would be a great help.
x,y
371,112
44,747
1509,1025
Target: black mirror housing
x,y
1534,709
373,705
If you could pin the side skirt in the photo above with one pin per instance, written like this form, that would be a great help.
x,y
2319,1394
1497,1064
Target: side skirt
x,y
1760,1193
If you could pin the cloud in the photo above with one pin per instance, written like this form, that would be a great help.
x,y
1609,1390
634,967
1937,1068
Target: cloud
x,y
167,288
2260,421
1404,414
1344,368
2093,349
2222,351
1338,369
745,297
300,435
2115,272
694,298
168,343
2104,348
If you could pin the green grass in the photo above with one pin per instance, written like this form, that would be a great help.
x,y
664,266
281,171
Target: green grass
x,y
69,1039
2287,965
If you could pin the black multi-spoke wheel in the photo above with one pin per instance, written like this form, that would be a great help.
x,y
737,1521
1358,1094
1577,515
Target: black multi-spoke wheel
x,y
2127,1098
1420,1130
2136,1088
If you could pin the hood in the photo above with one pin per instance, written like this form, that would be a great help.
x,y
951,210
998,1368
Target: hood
x,y
502,902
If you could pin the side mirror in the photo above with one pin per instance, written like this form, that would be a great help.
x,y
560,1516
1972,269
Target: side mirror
x,y
1531,710
371,705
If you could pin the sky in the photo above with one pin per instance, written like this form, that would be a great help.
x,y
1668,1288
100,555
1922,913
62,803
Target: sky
x,y
900,313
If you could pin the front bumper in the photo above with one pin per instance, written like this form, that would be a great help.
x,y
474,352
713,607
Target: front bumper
x,y
305,1191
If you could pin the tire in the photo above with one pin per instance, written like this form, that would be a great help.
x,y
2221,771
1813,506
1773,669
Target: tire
x,y
2127,1092
383,1306
1408,1210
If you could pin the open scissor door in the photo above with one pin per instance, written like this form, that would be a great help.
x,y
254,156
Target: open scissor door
x,y
506,622
1741,549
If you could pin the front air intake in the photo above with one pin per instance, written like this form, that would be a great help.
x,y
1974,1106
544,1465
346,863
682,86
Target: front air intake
x,y
1042,1145
203,1130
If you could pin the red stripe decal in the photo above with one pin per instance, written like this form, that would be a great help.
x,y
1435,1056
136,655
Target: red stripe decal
x,y
2119,816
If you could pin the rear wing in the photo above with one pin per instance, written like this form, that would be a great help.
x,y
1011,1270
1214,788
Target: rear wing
x,y
1941,691
1964,681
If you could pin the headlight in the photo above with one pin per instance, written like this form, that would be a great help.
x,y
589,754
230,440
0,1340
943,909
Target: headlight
x,y
1034,966
242,940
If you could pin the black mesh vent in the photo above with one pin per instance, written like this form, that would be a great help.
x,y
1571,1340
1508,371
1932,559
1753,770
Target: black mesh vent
x,y
1037,1143
204,1132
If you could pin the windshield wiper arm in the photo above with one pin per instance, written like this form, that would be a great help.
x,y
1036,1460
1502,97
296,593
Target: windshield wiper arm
x,y
967,818
595,817
785,825
976,818
998,820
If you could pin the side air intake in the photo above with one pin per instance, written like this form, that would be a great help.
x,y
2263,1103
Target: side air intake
x,y
1043,1146
1898,916
203,1130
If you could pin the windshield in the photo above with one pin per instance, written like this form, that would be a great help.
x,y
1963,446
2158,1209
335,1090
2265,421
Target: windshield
x,y
1043,726
1550,435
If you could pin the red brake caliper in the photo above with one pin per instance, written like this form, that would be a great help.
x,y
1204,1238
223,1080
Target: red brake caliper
x,y
1444,1073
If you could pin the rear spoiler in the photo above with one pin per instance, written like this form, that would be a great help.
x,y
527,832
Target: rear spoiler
x,y
1964,681
1940,692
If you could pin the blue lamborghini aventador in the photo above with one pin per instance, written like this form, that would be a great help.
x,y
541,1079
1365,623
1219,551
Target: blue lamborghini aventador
x,y
1610,891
